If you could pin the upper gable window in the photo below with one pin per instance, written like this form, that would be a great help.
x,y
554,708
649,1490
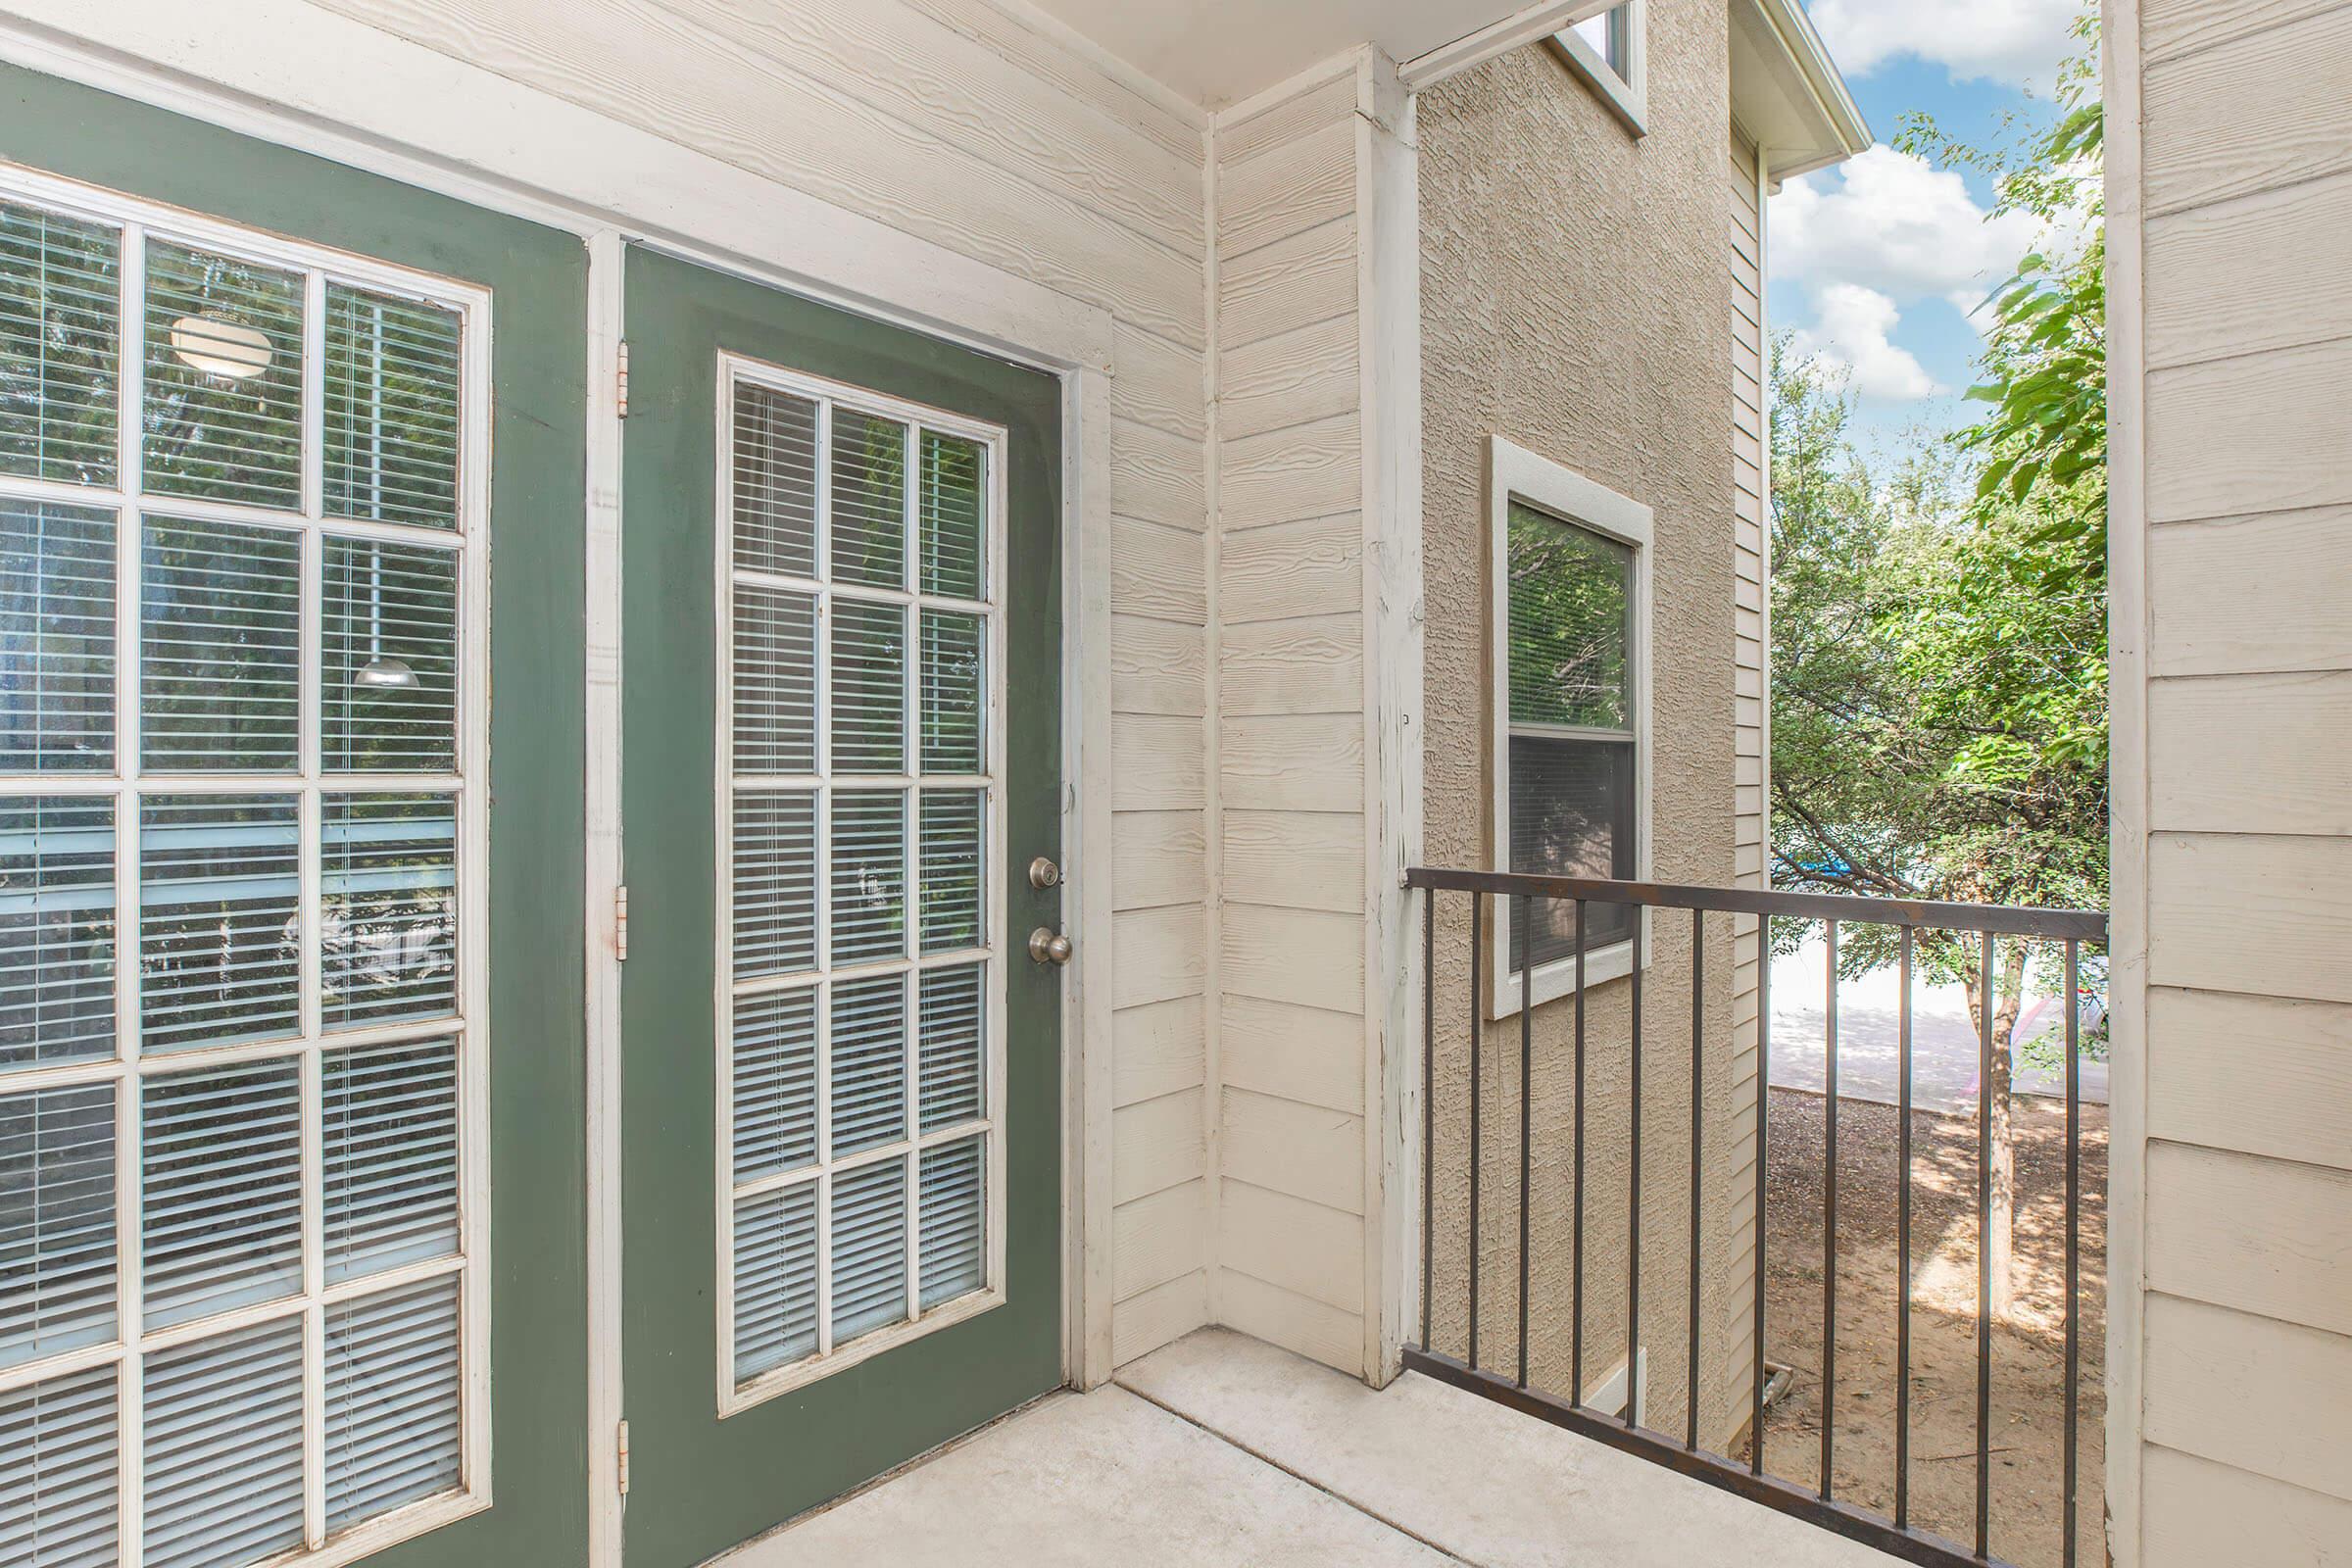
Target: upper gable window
x,y
1607,51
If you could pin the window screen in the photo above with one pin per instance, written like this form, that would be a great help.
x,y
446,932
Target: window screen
x,y
858,835
1570,685
239,1025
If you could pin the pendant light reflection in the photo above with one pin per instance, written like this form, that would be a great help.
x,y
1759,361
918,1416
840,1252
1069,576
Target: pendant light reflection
x,y
230,350
384,673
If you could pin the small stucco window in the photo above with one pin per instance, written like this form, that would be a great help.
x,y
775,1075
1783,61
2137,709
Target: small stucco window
x,y
1607,50
1570,686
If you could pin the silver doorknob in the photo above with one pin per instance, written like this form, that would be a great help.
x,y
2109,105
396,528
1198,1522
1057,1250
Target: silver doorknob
x,y
1044,873
1049,947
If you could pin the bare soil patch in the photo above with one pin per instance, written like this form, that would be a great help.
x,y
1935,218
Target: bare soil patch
x,y
2027,1415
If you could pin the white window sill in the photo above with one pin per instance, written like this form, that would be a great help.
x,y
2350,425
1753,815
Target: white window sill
x,y
1558,979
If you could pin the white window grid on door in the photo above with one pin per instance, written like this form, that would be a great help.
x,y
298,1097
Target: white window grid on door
x,y
834,1354
135,222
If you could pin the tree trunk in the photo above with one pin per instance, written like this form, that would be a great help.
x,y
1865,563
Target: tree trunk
x,y
2001,1224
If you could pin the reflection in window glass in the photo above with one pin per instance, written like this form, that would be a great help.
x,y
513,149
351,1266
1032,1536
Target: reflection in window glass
x,y
387,909
1571,691
388,632
220,647
391,409
57,637
60,303
57,929
222,415
219,899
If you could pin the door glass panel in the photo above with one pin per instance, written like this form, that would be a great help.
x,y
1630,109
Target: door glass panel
x,y
855,720
61,302
57,634
209,938
222,368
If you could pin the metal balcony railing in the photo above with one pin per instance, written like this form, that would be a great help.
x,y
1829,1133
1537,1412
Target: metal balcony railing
x,y
1897,1532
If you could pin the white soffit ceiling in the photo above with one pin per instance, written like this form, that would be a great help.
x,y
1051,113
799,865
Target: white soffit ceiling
x,y
1219,52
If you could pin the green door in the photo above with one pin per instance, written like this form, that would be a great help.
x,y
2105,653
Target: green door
x,y
841,712
292,1115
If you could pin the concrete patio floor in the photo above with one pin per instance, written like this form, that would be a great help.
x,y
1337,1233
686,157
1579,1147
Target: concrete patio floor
x,y
1221,1449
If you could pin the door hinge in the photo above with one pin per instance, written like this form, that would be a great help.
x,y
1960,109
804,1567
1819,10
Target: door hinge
x,y
621,378
620,1460
620,923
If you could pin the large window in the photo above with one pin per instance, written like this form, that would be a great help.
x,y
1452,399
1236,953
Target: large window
x,y
1570,609
241,920
859,1039
1609,52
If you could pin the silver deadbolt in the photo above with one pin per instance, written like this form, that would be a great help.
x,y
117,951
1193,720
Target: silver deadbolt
x,y
1048,945
1044,873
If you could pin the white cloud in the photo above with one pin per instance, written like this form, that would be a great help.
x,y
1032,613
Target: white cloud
x,y
2015,41
1892,223
1855,334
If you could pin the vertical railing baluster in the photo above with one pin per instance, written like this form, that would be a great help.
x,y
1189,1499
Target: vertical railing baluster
x,y
1428,1105
2074,1241
1755,1414
1829,1218
1699,1064
1984,1247
1576,1224
1526,1057
1902,1243
1632,1208
1478,909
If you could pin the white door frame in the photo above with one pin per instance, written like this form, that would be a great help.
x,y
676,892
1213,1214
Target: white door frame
x,y
299,76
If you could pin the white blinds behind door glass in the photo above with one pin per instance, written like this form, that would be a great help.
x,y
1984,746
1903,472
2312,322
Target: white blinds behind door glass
x,y
858,650
239,864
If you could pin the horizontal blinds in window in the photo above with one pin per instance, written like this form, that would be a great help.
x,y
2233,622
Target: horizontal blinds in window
x,y
869,1064
387,909
388,682
222,1170
57,637
856,736
57,930
391,409
392,1401
58,1499
775,1279
220,647
774,893
222,376
953,1220
775,1083
775,483
57,1221
389,1157
223,1448
220,891
951,1062
869,1248
61,303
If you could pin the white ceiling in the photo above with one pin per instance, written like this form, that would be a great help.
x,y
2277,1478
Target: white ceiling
x,y
1219,52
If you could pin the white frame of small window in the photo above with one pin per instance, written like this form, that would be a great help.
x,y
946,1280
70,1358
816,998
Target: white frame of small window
x,y
735,370
1625,92
136,221
1515,473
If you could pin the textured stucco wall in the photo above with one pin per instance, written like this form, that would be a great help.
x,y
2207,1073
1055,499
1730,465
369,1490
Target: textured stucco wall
x,y
1575,299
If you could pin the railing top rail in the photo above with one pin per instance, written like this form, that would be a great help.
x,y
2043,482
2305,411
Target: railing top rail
x,y
2000,919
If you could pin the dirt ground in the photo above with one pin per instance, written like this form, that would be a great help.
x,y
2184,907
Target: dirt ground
x,y
2027,1415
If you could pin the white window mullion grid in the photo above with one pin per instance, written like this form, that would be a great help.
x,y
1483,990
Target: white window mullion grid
x,y
911,784
127,786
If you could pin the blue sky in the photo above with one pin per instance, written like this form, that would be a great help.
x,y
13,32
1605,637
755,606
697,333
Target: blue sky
x,y
1876,264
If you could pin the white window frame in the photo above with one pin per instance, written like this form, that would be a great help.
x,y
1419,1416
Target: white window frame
x,y
137,221
735,370
1515,473
1625,92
